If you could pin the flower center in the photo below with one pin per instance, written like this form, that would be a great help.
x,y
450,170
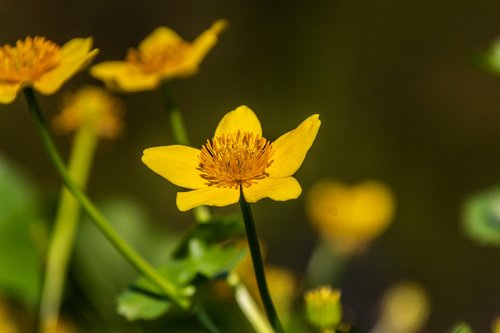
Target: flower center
x,y
158,58
28,59
235,159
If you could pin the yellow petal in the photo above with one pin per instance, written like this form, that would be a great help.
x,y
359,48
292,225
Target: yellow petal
x,y
75,49
291,148
8,92
242,119
124,76
279,189
203,44
208,196
160,36
51,81
176,163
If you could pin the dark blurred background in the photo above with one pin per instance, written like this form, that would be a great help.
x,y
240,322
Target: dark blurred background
x,y
399,98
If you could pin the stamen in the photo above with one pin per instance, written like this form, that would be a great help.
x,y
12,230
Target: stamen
x,y
158,57
28,59
235,159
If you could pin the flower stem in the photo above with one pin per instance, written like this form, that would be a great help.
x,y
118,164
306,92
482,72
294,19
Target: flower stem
x,y
135,260
258,265
65,225
204,319
201,213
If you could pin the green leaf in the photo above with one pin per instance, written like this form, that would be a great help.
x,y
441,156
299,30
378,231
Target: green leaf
x,y
481,217
490,60
19,220
133,305
220,228
461,328
216,260
144,301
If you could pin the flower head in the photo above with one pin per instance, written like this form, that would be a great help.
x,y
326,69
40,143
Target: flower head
x,y
323,307
91,105
237,157
162,55
41,64
349,217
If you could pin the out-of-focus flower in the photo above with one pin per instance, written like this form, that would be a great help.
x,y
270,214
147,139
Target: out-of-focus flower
x,y
162,55
349,217
495,327
237,157
39,63
323,307
91,105
405,309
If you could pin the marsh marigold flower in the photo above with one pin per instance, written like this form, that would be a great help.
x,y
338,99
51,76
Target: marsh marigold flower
x,y
238,156
41,64
161,56
349,217
91,105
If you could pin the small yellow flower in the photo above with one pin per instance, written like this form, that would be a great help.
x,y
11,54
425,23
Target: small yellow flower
x,y
237,156
161,56
41,64
91,105
349,217
323,307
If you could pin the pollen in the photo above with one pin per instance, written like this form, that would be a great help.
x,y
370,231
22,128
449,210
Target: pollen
x,y
236,159
28,60
158,57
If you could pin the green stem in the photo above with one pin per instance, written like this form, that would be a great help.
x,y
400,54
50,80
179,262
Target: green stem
x,y
258,265
99,220
201,213
248,306
325,266
64,230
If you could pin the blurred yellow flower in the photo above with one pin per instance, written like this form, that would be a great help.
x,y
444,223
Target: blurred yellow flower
x,y
41,64
237,156
349,217
323,307
91,105
496,325
7,322
161,56
405,309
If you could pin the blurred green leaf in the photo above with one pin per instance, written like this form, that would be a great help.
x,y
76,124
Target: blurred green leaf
x,y
481,218
220,228
19,261
133,306
461,328
209,261
490,60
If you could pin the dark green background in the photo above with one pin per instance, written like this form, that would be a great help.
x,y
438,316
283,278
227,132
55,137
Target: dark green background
x,y
399,100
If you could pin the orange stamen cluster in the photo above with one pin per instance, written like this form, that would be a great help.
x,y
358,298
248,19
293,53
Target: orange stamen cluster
x,y
158,58
27,60
235,159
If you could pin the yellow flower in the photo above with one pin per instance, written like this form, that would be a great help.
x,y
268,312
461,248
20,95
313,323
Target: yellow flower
x,y
237,156
323,307
405,309
161,56
349,217
91,105
41,64
496,325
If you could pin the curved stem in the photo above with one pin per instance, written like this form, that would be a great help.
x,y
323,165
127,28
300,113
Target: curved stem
x,y
65,225
258,265
134,259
